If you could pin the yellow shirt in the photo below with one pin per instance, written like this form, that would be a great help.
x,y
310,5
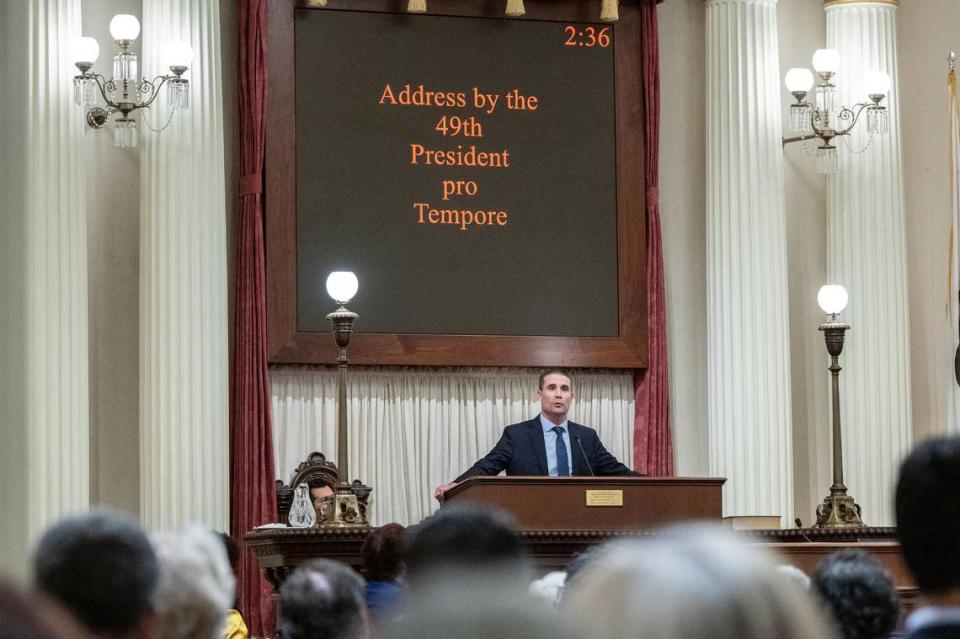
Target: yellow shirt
x,y
236,628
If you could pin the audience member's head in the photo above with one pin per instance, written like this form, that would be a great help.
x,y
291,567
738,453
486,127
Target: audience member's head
x,y
232,548
928,516
196,584
469,610
382,553
859,593
34,617
469,540
323,599
793,575
100,567
549,588
693,583
578,564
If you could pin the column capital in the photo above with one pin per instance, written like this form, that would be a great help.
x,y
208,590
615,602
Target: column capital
x,y
827,4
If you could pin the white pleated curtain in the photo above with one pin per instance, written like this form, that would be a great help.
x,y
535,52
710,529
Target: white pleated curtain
x,y
413,429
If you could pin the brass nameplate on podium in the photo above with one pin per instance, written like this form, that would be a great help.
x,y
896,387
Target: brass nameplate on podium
x,y
604,498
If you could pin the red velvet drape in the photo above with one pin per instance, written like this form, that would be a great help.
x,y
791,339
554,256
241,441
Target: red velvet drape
x,y
253,499
652,447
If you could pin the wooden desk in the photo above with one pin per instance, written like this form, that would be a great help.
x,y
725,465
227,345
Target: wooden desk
x,y
280,550
556,523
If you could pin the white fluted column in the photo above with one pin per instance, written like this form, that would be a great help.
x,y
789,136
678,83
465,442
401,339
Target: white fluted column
x,y
866,253
44,406
57,275
183,284
947,382
748,362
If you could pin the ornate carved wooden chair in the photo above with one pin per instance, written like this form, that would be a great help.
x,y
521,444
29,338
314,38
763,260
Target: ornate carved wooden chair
x,y
315,471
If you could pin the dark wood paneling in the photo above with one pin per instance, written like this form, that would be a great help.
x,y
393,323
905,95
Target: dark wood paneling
x,y
288,345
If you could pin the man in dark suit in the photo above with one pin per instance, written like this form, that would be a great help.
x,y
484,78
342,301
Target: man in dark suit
x,y
547,444
928,525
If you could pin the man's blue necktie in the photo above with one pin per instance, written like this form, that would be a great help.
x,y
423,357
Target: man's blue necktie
x,y
563,464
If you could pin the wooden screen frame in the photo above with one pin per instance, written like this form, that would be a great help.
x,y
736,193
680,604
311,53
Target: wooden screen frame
x,y
287,345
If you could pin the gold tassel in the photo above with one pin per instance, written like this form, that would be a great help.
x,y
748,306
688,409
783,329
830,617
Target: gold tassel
x,y
417,6
515,8
609,11
318,3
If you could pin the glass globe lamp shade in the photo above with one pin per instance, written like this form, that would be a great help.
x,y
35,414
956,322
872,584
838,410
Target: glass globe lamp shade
x,y
342,286
799,80
832,298
826,60
178,53
85,51
876,82
124,26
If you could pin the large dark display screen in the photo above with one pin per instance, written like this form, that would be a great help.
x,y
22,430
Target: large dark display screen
x,y
463,167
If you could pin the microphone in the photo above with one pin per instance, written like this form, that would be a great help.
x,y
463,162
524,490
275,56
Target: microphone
x,y
800,528
587,461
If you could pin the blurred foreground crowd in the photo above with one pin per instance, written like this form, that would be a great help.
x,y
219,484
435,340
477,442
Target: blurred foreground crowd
x,y
463,573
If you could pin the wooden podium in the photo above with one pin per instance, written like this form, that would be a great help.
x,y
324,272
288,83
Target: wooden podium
x,y
594,503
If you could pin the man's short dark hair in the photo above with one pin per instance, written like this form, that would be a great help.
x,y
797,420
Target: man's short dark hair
x,y
102,568
320,482
859,593
462,537
554,371
928,514
382,552
322,599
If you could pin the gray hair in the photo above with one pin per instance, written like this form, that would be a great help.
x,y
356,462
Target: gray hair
x,y
323,599
477,606
695,582
196,584
793,574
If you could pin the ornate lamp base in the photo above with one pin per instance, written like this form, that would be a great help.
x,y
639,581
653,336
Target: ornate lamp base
x,y
345,508
839,510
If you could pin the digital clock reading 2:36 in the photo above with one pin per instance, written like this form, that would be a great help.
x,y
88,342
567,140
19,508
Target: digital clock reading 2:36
x,y
587,36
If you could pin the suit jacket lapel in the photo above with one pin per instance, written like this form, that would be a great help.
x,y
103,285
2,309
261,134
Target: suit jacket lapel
x,y
536,438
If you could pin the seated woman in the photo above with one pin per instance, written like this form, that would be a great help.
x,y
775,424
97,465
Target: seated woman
x,y
236,627
382,553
